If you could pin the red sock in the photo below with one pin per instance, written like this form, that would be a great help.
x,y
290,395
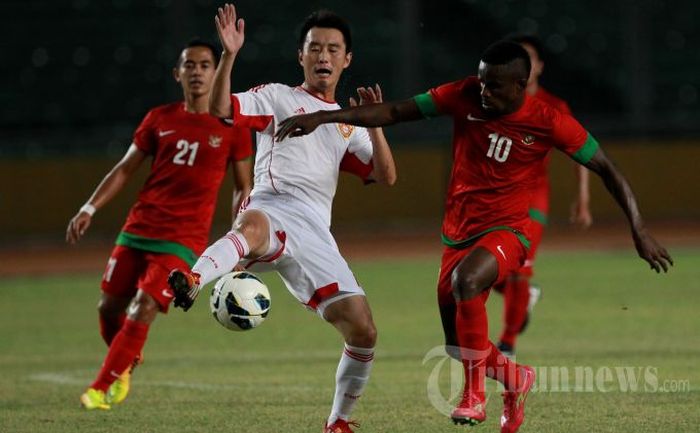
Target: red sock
x,y
110,326
472,335
502,369
126,346
517,295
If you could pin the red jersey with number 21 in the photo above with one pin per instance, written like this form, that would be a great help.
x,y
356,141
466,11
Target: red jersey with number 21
x,y
191,153
497,159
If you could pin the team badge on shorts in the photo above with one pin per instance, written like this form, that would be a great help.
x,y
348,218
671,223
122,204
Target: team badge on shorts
x,y
345,130
528,139
214,141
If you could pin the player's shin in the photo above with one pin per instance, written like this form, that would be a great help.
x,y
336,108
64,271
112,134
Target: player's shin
x,y
350,380
125,347
221,257
472,334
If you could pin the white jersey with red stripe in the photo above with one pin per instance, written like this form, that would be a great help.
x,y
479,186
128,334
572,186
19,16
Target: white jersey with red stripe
x,y
306,167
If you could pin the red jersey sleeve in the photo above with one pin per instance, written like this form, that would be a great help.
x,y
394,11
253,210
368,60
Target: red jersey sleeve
x,y
241,143
145,135
571,138
445,97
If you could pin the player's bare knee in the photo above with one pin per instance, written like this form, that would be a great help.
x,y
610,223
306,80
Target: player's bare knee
x,y
143,308
364,335
465,285
110,308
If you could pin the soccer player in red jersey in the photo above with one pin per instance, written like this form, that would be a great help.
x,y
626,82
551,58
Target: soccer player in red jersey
x,y
519,295
501,139
169,224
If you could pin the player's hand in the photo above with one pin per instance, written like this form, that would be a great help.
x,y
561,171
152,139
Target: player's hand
x,y
650,250
230,29
296,126
581,215
367,95
77,226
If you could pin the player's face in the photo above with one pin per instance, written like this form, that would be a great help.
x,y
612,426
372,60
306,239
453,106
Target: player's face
x,y
537,65
323,57
196,71
502,87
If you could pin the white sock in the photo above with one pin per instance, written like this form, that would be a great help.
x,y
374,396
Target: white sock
x,y
350,380
221,257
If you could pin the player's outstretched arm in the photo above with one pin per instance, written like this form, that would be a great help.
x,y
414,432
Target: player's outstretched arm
x,y
231,32
383,161
112,183
371,116
580,209
647,247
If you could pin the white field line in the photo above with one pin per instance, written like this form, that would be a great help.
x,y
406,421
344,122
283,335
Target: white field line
x,y
81,378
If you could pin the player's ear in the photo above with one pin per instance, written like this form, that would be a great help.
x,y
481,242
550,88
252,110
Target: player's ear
x,y
348,59
176,74
300,55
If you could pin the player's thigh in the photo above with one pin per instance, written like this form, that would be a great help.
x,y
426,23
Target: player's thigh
x,y
154,280
124,268
313,269
507,250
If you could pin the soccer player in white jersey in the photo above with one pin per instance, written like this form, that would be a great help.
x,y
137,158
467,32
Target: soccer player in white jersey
x,y
286,222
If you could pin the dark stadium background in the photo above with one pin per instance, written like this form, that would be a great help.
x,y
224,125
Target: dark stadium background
x,y
79,75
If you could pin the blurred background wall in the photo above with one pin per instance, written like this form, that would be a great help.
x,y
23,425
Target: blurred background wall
x,y
80,75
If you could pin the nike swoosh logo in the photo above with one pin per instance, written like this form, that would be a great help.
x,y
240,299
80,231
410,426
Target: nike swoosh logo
x,y
164,133
113,373
500,250
474,119
167,293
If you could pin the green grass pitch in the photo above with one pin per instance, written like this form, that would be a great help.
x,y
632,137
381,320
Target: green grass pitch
x,y
598,310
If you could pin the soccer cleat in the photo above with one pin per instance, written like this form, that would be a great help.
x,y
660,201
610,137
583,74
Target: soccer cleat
x,y
340,426
506,349
118,391
185,288
514,403
471,410
94,399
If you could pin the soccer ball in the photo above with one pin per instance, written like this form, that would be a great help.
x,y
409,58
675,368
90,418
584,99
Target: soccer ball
x,y
240,301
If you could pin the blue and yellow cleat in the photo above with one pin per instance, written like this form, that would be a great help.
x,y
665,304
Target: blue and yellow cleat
x,y
94,399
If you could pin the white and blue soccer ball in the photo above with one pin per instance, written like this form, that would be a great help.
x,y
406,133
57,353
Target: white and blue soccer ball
x,y
240,301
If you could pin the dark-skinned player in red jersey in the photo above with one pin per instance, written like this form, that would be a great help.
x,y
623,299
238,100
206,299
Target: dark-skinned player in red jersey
x,y
169,224
501,136
518,295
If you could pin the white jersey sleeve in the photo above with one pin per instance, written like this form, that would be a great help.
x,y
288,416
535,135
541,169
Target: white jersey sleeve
x,y
254,109
358,157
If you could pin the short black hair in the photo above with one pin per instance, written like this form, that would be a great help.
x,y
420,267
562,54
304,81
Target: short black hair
x,y
197,42
504,52
531,40
326,19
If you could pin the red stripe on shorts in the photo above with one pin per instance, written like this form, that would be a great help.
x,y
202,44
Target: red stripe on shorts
x,y
321,294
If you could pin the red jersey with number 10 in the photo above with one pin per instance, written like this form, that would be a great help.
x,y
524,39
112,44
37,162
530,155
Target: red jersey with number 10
x,y
497,159
191,153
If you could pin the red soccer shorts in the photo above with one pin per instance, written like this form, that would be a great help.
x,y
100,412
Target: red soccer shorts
x,y
130,269
502,244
